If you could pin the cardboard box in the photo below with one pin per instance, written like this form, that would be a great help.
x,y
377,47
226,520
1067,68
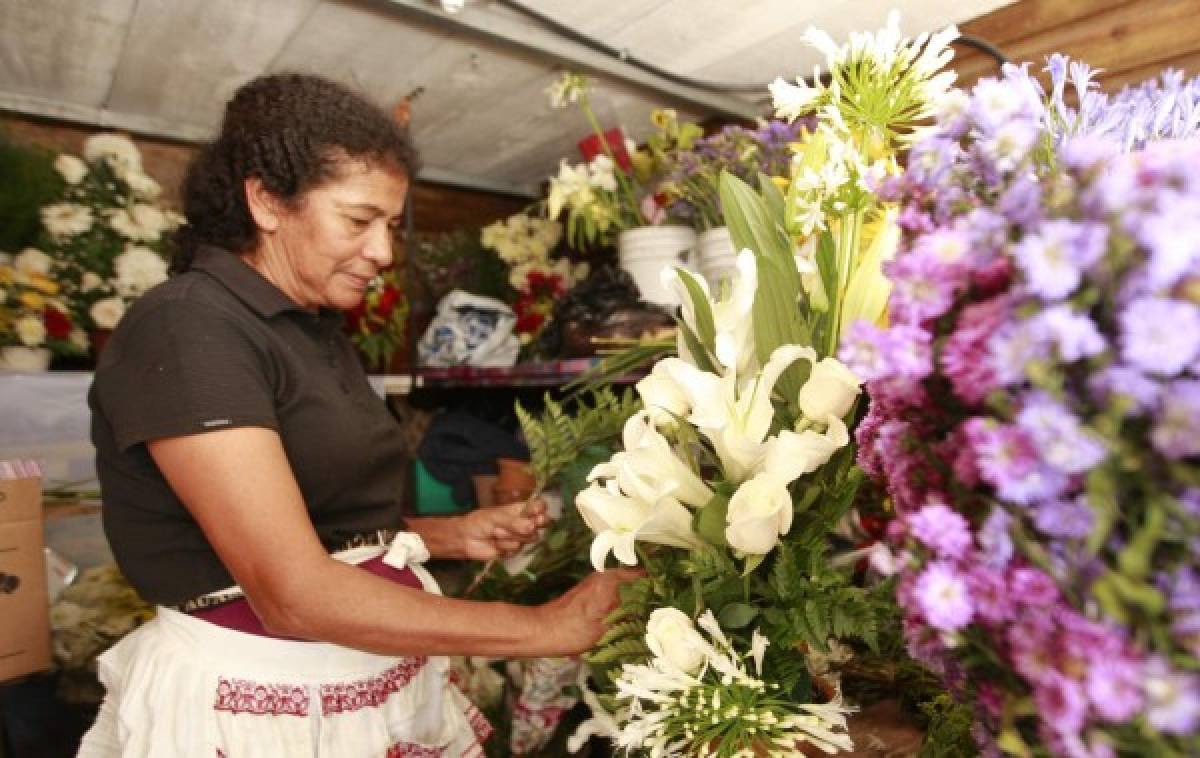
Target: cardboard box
x,y
24,611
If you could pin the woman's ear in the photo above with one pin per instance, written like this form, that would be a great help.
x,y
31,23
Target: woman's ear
x,y
264,206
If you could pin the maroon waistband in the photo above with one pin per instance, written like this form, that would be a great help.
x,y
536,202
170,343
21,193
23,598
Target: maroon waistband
x,y
239,616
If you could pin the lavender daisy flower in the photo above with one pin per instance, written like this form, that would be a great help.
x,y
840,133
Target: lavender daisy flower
x,y
1009,460
1033,588
942,530
1011,348
1009,145
908,351
966,357
1129,383
922,288
1021,203
1070,520
1054,258
1073,334
1159,335
1059,436
943,598
1172,235
995,542
994,603
862,350
1172,698
1114,687
1176,432
1061,703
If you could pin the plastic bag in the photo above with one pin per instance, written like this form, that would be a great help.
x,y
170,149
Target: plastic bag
x,y
470,330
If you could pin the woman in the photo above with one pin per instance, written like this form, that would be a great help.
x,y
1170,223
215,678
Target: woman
x,y
247,467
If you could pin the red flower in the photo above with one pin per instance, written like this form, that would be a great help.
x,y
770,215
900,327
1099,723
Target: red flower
x,y
58,326
387,302
530,322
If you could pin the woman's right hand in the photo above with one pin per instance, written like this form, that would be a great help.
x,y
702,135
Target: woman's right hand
x,y
574,622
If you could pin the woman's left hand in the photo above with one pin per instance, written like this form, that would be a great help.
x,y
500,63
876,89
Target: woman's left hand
x,y
501,530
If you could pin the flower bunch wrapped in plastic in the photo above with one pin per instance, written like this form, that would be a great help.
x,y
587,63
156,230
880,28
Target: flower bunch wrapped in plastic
x,y
698,696
1035,414
31,312
108,232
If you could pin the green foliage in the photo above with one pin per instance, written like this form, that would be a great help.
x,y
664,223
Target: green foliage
x,y
558,437
620,364
948,734
29,182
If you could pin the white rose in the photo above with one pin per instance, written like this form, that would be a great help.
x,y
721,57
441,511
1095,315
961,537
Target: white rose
x,y
671,636
759,512
64,220
138,269
70,168
829,391
30,330
107,312
33,261
117,150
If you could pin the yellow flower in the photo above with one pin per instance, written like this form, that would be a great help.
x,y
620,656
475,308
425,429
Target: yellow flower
x,y
43,284
8,274
32,300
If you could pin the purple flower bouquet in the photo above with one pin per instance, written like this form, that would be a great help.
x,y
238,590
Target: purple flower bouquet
x,y
1035,412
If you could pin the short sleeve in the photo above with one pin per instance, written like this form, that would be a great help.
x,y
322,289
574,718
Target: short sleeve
x,y
182,368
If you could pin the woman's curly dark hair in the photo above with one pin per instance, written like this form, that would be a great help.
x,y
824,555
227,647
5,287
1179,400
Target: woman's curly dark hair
x,y
292,131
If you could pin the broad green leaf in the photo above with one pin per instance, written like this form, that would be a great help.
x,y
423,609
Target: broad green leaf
x,y
736,615
710,521
706,330
699,355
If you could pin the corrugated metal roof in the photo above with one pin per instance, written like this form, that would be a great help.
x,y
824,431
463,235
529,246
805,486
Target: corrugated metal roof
x,y
165,67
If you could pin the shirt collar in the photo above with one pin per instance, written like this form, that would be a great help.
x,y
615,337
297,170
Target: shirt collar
x,y
251,287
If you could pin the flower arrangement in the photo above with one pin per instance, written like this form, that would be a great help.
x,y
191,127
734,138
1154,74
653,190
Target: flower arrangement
x,y
377,325
1033,412
107,232
618,188
691,182
525,244
31,313
732,481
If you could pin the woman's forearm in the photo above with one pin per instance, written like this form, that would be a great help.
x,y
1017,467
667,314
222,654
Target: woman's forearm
x,y
348,606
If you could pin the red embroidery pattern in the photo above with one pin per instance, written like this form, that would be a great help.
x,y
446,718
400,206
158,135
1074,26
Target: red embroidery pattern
x,y
413,750
245,696
371,692
541,716
479,723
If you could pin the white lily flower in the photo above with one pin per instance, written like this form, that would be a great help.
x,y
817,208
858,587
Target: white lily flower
x,y
790,455
619,521
663,395
731,314
760,512
652,454
736,419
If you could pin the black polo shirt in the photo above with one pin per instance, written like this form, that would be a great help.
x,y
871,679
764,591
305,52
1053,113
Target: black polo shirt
x,y
220,347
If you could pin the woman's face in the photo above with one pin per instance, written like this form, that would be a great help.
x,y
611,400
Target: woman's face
x,y
326,249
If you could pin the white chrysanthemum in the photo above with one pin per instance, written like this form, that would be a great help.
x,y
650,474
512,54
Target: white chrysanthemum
x,y
90,281
107,312
139,222
30,331
138,269
33,261
79,339
143,185
63,220
70,168
115,149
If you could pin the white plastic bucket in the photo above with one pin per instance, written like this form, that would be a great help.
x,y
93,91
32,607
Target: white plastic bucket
x,y
718,259
644,252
